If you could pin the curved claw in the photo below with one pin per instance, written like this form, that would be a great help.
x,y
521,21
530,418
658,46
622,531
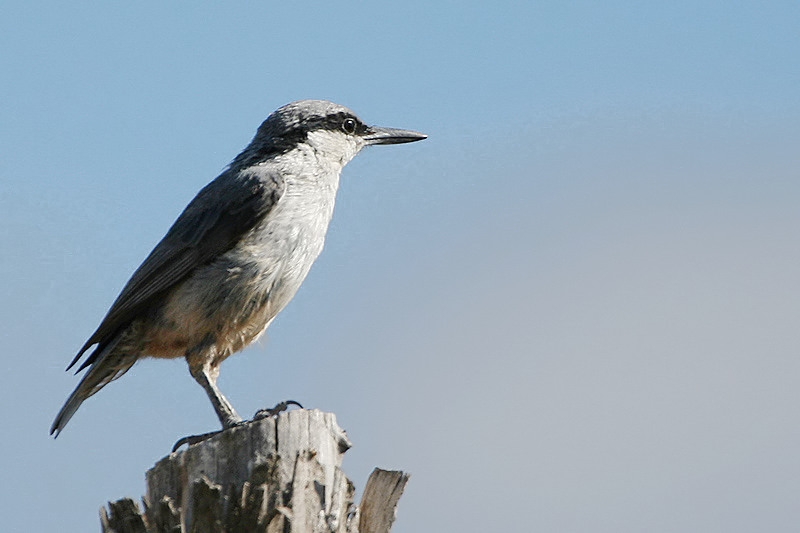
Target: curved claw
x,y
279,408
191,440
194,439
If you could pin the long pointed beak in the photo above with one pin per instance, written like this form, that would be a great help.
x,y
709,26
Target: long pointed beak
x,y
378,135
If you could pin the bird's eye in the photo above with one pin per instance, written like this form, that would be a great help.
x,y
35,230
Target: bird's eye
x,y
349,126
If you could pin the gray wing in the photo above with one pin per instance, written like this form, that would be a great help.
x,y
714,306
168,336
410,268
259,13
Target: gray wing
x,y
211,224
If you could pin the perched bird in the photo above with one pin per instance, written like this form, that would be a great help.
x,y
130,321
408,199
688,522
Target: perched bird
x,y
236,255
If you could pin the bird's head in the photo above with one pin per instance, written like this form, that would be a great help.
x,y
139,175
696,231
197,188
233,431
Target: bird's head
x,y
329,129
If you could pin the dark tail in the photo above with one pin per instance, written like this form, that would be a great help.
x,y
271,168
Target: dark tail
x,y
107,367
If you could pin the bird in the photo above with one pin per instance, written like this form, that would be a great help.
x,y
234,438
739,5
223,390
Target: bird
x,y
235,256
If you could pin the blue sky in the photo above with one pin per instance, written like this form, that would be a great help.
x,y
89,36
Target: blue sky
x,y
573,307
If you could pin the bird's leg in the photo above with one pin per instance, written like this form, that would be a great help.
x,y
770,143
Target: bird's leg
x,y
206,376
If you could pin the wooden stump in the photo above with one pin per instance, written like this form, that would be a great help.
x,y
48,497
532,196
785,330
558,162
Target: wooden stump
x,y
278,474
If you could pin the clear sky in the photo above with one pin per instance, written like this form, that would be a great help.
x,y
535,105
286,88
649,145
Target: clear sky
x,y
573,308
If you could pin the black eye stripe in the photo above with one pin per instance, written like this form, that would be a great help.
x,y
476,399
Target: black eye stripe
x,y
333,122
280,143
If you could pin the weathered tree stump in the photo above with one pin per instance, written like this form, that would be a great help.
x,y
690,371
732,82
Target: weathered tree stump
x,y
278,474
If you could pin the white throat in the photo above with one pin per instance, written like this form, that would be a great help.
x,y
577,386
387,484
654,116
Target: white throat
x,y
334,147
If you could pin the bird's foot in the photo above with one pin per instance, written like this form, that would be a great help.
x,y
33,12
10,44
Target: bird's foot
x,y
191,440
279,408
